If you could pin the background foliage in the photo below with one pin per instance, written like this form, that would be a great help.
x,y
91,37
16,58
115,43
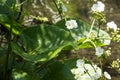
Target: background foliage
x,y
30,46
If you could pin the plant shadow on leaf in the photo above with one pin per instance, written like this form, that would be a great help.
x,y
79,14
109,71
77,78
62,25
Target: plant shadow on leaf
x,y
42,43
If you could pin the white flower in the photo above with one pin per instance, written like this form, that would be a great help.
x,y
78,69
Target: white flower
x,y
99,51
85,71
85,77
98,7
98,73
80,63
71,24
96,76
94,71
75,71
107,75
107,41
112,25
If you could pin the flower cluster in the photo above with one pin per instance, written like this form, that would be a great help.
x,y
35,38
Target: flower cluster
x,y
98,7
107,75
71,24
87,71
112,25
99,51
116,65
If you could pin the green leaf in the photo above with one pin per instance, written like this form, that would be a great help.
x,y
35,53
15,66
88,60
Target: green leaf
x,y
22,75
80,34
3,18
51,70
42,43
19,75
56,71
24,70
89,44
71,63
2,2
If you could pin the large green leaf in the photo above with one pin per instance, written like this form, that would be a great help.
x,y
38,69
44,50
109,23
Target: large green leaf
x,y
24,70
56,71
51,70
22,75
42,43
80,34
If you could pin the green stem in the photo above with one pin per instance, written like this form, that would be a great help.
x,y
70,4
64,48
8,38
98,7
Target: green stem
x,y
100,61
8,71
91,28
98,31
101,64
88,40
7,56
57,8
93,67
87,71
